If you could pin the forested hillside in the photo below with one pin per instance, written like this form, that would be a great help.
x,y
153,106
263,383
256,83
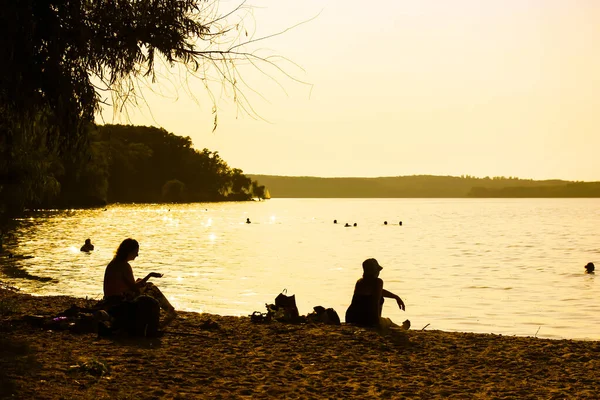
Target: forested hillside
x,y
63,60
146,164
422,186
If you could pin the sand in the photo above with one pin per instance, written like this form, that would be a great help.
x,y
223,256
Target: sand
x,y
205,356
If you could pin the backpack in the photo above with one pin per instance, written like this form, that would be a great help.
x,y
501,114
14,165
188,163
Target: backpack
x,y
287,304
145,317
139,317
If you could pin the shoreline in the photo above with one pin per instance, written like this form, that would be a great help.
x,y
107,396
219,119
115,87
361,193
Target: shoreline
x,y
212,356
240,314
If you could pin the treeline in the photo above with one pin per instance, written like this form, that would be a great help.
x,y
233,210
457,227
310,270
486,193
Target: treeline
x,y
62,59
145,164
567,189
422,186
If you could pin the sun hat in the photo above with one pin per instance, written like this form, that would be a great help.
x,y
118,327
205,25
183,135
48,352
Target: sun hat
x,y
371,266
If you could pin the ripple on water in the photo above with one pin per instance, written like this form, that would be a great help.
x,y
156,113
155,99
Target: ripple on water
x,y
500,274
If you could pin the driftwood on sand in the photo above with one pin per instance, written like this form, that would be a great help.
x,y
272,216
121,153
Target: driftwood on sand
x,y
210,356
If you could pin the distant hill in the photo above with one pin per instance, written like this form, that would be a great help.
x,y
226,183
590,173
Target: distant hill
x,y
421,186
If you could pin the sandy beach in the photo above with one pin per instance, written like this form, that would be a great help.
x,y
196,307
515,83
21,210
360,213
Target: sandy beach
x,y
210,356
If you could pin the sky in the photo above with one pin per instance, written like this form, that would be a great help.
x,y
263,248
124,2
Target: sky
x,y
399,87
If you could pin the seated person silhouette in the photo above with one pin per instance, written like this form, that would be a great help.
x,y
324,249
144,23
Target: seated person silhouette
x,y
367,300
87,246
120,284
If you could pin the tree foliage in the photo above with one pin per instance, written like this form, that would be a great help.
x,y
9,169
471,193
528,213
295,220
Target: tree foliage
x,y
59,47
173,191
62,58
147,164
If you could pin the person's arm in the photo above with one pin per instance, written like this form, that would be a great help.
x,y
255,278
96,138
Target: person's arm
x,y
391,295
142,282
133,284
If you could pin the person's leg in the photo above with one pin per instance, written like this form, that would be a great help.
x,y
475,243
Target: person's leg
x,y
149,289
386,323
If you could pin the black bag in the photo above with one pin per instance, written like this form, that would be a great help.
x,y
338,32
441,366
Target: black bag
x,y
258,317
146,317
288,305
139,317
324,315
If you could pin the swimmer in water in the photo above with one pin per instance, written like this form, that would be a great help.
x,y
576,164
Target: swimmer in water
x,y
87,246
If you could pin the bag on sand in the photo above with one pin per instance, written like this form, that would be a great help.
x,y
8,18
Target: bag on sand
x,y
288,305
324,315
146,318
139,317
259,317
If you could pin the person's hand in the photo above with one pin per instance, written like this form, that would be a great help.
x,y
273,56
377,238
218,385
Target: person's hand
x,y
400,303
155,275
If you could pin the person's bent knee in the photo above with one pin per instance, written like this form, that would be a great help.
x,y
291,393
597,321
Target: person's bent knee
x,y
386,323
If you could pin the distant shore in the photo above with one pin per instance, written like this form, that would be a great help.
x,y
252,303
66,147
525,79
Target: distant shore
x,y
424,186
232,357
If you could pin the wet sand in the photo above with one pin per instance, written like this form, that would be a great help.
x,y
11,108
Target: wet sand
x,y
204,356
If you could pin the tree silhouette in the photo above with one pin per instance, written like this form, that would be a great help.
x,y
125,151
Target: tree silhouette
x,y
62,58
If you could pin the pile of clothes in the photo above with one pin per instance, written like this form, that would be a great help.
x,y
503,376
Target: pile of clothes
x,y
139,317
285,310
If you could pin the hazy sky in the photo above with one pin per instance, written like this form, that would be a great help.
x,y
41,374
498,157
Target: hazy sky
x,y
397,87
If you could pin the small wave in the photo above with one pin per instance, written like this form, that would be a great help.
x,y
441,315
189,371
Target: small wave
x,y
488,287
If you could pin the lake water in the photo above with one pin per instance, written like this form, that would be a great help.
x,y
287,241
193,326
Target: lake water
x,y
505,266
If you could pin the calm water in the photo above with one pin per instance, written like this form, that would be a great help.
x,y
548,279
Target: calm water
x,y
509,266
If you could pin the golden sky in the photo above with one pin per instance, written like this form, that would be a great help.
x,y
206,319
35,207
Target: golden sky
x,y
398,87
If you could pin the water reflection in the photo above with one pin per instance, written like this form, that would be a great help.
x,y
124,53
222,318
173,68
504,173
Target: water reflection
x,y
458,264
12,268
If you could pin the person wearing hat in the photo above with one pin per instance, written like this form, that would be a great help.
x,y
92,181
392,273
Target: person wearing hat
x,y
367,300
